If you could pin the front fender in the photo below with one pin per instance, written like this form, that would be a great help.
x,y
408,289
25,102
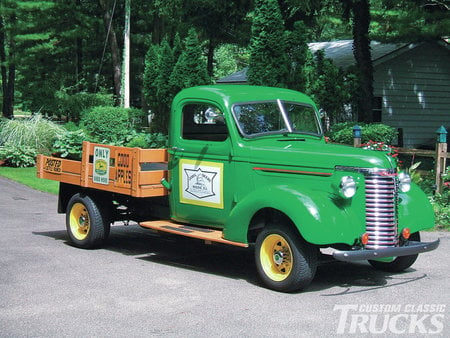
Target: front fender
x,y
415,210
320,218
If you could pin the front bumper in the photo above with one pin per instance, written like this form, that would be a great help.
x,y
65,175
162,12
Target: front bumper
x,y
411,248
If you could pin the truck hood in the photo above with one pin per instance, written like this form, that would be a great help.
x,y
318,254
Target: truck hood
x,y
314,154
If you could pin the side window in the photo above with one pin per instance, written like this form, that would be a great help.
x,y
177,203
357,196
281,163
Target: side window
x,y
203,122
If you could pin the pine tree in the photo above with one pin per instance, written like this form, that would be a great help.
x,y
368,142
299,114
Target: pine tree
x,y
164,91
151,71
269,64
299,55
190,69
328,87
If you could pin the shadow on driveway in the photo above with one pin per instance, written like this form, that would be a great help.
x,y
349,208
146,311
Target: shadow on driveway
x,y
238,263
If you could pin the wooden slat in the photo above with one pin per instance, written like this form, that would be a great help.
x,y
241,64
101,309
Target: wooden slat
x,y
153,155
151,177
419,152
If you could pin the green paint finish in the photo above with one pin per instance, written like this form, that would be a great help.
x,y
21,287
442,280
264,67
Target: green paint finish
x,y
238,150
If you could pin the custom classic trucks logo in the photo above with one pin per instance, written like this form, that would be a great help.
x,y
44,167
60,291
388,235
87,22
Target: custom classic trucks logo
x,y
201,183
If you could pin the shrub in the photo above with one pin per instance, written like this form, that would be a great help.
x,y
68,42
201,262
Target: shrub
x,y
138,118
70,144
138,140
72,105
19,156
343,133
106,124
143,140
35,132
441,207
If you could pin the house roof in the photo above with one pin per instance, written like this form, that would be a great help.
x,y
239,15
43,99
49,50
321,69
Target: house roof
x,y
341,52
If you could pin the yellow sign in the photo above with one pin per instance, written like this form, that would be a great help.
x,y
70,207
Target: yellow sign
x,y
101,165
201,183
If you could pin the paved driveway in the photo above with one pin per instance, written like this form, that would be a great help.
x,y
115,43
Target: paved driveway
x,y
141,284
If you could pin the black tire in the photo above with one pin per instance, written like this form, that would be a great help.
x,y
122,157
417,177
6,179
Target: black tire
x,y
284,261
86,226
399,263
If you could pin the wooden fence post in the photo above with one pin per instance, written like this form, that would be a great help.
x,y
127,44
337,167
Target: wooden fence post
x,y
441,157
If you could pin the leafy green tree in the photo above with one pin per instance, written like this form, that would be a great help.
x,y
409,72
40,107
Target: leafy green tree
x,y
219,22
230,58
268,63
409,20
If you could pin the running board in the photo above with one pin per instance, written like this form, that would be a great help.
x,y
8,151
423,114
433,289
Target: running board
x,y
206,234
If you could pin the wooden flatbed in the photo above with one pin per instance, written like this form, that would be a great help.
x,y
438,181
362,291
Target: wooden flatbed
x,y
129,171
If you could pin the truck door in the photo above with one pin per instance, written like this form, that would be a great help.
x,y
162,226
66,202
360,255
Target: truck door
x,y
200,164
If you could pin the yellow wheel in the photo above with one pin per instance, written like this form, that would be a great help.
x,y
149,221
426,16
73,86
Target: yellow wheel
x,y
79,221
276,257
284,261
86,226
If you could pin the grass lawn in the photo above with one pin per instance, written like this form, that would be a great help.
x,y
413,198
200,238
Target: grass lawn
x,y
27,176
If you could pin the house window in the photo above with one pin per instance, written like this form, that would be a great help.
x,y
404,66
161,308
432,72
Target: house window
x,y
377,108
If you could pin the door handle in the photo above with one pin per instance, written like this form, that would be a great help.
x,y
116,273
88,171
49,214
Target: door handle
x,y
173,150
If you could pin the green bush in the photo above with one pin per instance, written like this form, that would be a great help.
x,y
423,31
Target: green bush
x,y
72,105
138,118
70,144
35,132
147,141
19,156
106,124
343,133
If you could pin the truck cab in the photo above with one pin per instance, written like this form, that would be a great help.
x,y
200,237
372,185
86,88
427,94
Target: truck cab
x,y
253,162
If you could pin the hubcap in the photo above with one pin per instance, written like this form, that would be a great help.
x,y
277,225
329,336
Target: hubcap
x,y
276,257
79,221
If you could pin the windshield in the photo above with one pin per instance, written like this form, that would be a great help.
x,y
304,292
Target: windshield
x,y
273,117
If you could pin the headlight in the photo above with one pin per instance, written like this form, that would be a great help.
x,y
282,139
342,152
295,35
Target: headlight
x,y
347,186
404,182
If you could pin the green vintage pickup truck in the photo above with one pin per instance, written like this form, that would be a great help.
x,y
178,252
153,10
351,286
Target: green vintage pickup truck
x,y
249,166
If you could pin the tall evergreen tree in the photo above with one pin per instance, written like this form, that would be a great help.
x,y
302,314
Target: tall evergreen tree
x,y
328,87
269,64
299,56
165,91
190,69
151,71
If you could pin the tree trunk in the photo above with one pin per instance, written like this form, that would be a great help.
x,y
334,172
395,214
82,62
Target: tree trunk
x,y
361,51
210,64
8,73
126,57
115,52
79,51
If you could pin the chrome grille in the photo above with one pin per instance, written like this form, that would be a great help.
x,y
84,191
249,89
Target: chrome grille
x,y
381,211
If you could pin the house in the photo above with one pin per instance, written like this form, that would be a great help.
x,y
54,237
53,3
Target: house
x,y
411,85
